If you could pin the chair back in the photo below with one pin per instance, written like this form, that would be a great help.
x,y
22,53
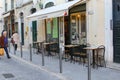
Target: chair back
x,y
101,50
80,49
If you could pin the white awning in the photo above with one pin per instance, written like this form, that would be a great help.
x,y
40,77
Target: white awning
x,y
55,11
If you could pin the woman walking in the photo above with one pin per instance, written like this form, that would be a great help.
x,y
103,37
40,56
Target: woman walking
x,y
4,42
15,41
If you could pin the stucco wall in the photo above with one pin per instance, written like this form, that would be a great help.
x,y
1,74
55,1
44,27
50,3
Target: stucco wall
x,y
108,31
26,12
95,22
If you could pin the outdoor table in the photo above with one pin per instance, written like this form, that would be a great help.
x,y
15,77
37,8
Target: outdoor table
x,y
92,50
49,43
38,45
71,50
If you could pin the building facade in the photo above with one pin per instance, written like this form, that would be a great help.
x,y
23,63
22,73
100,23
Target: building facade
x,y
80,22
23,9
112,28
1,17
88,21
8,16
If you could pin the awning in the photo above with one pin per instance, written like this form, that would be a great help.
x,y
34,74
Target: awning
x,y
55,11
6,15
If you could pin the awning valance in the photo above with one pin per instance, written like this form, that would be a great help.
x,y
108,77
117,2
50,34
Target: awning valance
x,y
55,11
6,15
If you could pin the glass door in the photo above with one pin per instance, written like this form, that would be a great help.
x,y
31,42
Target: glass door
x,y
78,28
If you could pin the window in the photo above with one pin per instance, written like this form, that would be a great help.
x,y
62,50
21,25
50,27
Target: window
x,y
12,4
33,10
49,4
5,6
78,28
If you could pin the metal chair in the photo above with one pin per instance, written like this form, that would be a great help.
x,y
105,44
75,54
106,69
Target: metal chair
x,y
101,56
67,54
54,48
81,53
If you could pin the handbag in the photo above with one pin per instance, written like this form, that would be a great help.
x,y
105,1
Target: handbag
x,y
1,51
12,41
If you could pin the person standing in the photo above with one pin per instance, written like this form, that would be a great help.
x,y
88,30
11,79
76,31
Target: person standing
x,y
15,38
4,42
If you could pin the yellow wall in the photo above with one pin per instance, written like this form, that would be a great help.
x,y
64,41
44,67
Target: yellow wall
x,y
95,22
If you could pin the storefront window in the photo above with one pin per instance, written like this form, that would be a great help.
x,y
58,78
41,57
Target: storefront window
x,y
78,28
52,29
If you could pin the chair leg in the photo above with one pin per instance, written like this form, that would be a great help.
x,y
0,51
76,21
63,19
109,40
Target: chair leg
x,y
74,59
104,63
100,62
80,60
84,61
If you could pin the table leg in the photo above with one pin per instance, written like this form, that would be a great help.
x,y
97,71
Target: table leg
x,y
71,56
93,58
49,52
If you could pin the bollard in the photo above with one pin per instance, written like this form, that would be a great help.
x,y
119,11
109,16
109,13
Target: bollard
x,y
21,49
60,60
89,65
30,52
43,51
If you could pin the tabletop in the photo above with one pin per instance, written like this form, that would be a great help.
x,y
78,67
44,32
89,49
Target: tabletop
x,y
91,48
71,45
37,42
47,43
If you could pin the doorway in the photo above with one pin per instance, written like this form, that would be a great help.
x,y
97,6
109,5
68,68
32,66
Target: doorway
x,y
116,30
34,31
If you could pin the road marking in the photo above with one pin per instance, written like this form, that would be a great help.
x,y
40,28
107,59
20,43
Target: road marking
x,y
58,75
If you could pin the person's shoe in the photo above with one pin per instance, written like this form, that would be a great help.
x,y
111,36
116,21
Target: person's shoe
x,y
9,57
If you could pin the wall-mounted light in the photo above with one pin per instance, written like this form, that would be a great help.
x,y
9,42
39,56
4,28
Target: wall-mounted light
x,y
78,15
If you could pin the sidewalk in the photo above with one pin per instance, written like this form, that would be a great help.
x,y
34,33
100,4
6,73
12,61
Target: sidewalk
x,y
71,71
14,69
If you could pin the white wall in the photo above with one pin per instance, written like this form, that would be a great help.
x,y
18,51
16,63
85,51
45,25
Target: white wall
x,y
26,11
95,22
21,2
98,25
108,31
